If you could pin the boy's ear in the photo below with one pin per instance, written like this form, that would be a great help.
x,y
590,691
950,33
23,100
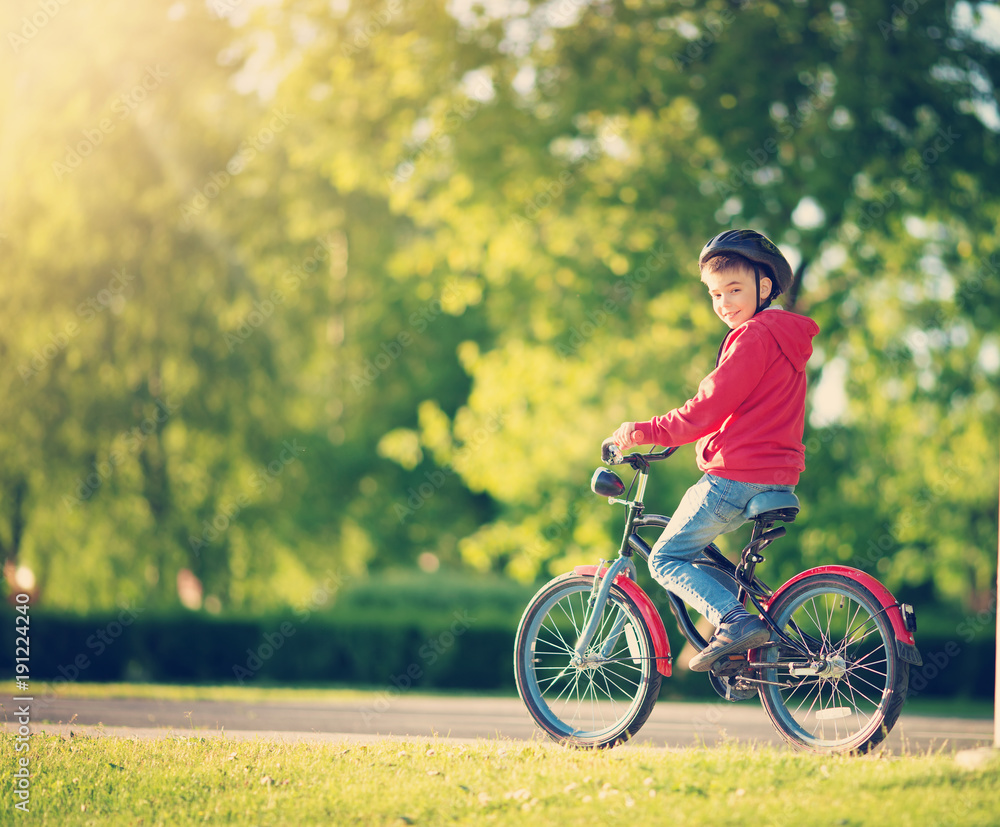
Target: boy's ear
x,y
765,287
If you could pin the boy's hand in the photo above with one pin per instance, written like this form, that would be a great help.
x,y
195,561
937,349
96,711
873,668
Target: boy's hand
x,y
626,436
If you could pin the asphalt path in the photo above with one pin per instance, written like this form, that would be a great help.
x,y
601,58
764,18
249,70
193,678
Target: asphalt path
x,y
421,717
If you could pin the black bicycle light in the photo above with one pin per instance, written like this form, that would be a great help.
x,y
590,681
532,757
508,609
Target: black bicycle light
x,y
606,483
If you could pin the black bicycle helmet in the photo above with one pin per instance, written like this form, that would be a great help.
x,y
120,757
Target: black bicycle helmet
x,y
759,250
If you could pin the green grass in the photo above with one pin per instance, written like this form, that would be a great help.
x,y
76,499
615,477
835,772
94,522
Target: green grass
x,y
179,781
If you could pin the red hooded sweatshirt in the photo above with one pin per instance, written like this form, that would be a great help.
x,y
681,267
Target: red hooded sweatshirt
x,y
749,413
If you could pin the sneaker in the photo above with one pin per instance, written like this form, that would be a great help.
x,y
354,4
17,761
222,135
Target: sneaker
x,y
745,633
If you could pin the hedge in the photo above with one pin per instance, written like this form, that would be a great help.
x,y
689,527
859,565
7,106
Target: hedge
x,y
433,650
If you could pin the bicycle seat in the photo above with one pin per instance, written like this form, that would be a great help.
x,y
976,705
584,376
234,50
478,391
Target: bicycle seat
x,y
773,505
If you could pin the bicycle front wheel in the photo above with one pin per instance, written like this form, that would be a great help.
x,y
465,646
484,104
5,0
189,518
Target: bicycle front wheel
x,y
853,702
602,698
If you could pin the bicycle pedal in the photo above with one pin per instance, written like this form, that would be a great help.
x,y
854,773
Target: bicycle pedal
x,y
728,665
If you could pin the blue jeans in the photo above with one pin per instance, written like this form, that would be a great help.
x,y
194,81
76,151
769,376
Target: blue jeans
x,y
711,507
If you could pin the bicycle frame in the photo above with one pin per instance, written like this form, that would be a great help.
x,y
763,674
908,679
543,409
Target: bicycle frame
x,y
622,572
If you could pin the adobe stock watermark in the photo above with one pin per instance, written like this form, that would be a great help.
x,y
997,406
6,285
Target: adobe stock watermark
x,y
224,8
219,180
900,356
936,662
954,471
32,25
436,480
760,156
132,441
124,105
332,247
97,643
109,296
555,528
711,715
271,642
258,482
453,120
374,25
553,189
713,26
898,17
914,170
389,352
429,653
561,12
622,292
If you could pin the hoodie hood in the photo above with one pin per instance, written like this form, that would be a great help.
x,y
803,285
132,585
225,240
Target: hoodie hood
x,y
792,332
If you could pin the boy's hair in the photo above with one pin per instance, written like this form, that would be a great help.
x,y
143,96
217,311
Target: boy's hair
x,y
721,263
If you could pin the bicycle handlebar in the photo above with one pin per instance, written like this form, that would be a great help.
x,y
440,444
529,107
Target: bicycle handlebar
x,y
612,456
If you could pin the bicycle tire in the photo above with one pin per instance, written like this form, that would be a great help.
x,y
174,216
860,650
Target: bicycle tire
x,y
860,701
603,702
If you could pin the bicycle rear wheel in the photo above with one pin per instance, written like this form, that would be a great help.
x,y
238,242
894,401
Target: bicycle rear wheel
x,y
855,701
602,699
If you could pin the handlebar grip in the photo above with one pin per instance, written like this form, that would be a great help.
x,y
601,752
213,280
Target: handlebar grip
x,y
609,452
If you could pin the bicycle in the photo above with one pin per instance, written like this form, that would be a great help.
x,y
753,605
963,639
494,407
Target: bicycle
x,y
591,649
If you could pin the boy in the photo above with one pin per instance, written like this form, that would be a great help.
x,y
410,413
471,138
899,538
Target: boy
x,y
748,417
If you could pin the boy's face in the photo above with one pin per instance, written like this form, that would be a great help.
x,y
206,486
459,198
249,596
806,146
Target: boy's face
x,y
734,294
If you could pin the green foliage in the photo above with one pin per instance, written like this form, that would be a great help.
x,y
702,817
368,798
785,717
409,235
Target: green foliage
x,y
435,597
303,288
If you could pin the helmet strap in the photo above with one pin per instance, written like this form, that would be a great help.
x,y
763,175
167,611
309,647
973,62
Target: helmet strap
x,y
722,346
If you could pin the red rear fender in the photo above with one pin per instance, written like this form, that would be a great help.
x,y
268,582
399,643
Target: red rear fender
x,y
908,648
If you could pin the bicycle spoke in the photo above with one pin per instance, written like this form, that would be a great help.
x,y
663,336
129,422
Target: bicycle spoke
x,y
850,640
863,654
856,666
572,685
607,675
856,707
860,661
876,687
830,607
813,617
555,629
856,691
870,669
814,685
594,708
853,617
614,703
543,685
853,698
818,699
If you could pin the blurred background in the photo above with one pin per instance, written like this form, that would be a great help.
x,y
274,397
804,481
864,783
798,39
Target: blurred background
x,y
325,307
